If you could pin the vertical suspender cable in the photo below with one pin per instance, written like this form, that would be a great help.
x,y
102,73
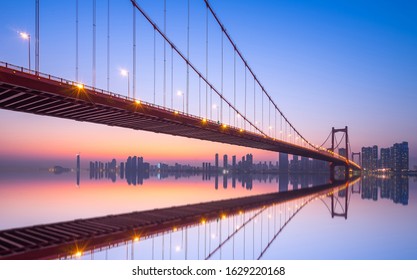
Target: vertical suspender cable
x,y
37,37
188,54
208,6
234,85
269,118
94,43
134,51
262,111
108,47
172,78
245,97
211,102
286,134
230,118
154,66
206,60
199,96
275,124
222,81
165,46
254,101
183,57
76,40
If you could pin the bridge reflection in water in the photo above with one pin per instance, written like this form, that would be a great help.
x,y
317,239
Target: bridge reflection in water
x,y
241,234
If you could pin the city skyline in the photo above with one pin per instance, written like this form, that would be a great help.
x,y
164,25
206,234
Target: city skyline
x,y
355,68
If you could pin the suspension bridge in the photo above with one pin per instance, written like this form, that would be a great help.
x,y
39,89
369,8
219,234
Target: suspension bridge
x,y
226,103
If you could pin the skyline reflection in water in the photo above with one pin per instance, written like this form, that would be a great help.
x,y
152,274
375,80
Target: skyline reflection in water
x,y
379,225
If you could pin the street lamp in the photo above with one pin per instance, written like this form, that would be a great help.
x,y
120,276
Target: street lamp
x,y
26,36
125,73
180,93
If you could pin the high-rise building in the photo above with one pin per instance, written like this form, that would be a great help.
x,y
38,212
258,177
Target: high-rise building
x,y
374,157
216,162
295,165
283,162
342,152
370,158
304,164
366,158
225,162
243,164
122,170
140,164
249,161
234,162
78,162
400,157
385,159
395,157
129,164
134,163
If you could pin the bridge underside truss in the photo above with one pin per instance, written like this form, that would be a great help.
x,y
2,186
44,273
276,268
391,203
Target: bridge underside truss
x,y
48,96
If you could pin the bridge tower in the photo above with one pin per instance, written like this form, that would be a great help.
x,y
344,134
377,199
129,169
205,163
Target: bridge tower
x,y
335,201
333,165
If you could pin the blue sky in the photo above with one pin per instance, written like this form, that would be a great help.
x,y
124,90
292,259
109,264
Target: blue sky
x,y
325,63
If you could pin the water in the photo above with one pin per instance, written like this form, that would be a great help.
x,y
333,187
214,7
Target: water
x,y
372,219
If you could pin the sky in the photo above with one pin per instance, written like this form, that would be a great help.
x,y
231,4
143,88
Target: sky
x,y
325,63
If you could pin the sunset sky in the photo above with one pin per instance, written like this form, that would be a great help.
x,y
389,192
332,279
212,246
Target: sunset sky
x,y
325,63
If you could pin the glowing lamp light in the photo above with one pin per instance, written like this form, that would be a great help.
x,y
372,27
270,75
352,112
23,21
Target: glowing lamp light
x,y
224,125
80,86
124,72
241,130
175,229
78,254
224,216
24,35
137,102
203,221
204,120
176,112
136,239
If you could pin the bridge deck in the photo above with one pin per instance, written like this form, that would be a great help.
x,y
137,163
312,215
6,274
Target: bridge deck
x,y
62,239
50,96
